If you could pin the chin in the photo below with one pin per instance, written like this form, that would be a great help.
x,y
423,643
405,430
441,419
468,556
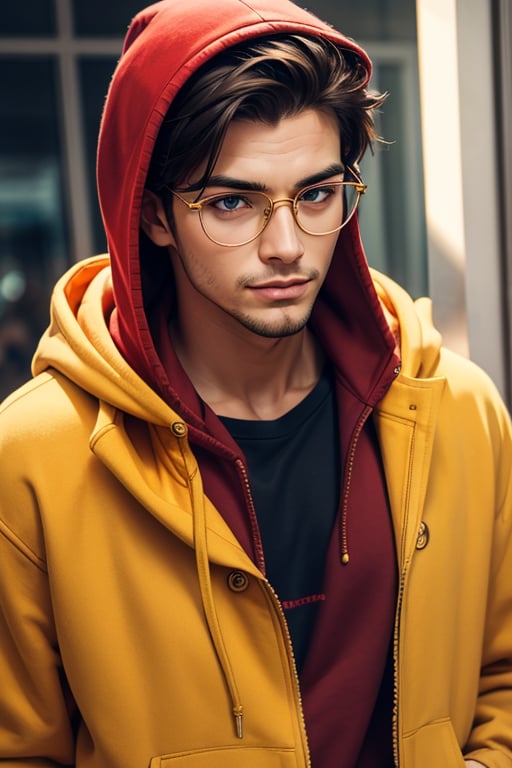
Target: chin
x,y
277,330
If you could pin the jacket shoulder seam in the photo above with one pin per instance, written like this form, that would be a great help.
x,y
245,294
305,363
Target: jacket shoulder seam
x,y
26,390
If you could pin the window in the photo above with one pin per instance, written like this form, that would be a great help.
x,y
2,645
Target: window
x,y
56,60
33,233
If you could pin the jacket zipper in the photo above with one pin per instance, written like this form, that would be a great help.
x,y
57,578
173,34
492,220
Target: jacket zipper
x,y
401,588
260,561
344,559
396,751
396,635
291,658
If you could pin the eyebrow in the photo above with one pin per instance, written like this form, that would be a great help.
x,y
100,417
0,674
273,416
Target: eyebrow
x,y
316,178
230,182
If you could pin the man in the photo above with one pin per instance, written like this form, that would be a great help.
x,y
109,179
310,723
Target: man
x,y
252,513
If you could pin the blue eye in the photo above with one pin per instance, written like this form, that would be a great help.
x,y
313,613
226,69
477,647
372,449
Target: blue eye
x,y
228,203
315,194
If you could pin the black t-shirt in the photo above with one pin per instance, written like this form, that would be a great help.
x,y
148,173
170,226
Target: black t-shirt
x,y
294,473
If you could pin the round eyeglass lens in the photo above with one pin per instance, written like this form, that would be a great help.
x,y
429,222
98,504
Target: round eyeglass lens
x,y
235,219
325,208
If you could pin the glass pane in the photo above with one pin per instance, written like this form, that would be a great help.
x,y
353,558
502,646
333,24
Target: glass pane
x,y
371,19
31,17
32,231
96,18
95,75
392,216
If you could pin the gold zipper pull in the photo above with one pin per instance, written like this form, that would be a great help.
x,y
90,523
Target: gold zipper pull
x,y
238,713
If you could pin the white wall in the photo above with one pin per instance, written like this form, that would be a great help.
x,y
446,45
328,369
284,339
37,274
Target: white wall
x,y
461,180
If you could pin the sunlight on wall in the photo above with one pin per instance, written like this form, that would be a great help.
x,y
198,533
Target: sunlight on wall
x,y
439,92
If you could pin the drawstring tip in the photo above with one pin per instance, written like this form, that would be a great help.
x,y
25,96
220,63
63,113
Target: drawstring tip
x,y
238,722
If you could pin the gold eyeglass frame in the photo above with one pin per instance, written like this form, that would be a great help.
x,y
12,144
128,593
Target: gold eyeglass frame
x,y
359,185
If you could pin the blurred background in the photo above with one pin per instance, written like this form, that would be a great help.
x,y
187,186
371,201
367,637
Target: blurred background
x,y
438,213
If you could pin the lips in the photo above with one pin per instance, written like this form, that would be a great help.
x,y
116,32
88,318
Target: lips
x,y
281,291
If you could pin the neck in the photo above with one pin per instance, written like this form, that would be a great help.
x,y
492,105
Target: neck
x,y
242,375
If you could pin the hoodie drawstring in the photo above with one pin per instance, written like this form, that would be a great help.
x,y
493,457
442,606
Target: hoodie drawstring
x,y
207,598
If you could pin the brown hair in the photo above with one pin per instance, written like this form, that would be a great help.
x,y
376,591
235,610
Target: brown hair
x,y
263,79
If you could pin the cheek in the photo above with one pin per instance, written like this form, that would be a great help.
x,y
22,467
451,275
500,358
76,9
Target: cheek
x,y
204,268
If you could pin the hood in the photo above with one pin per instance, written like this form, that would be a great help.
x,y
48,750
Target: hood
x,y
165,45
79,345
412,325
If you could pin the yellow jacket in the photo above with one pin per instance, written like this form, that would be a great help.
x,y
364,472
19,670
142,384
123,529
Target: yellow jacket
x,y
132,620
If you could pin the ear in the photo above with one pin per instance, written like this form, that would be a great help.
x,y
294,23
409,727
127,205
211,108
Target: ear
x,y
154,221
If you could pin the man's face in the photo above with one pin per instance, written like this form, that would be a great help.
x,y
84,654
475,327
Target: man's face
x,y
268,286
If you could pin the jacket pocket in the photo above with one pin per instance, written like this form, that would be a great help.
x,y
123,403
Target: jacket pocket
x,y
433,745
231,757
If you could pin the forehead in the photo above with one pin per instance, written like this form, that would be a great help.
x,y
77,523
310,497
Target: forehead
x,y
279,154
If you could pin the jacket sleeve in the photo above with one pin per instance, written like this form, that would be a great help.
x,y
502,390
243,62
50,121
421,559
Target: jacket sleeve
x,y
35,706
491,737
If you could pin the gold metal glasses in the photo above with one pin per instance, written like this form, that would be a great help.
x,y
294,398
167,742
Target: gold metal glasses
x,y
237,217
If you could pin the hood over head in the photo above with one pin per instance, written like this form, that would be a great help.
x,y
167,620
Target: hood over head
x,y
165,44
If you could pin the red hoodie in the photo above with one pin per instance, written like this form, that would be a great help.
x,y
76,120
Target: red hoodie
x,y
342,676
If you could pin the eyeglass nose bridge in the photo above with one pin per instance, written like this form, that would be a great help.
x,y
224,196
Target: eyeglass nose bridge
x,y
273,204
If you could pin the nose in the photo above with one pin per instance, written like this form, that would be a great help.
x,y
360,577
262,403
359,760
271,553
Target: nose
x,y
281,237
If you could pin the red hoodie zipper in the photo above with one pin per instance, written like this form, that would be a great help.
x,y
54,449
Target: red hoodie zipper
x,y
253,520
345,557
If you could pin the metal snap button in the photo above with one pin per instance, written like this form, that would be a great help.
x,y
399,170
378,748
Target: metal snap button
x,y
238,581
423,536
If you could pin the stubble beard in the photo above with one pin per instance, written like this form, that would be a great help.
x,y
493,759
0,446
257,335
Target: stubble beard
x,y
276,330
